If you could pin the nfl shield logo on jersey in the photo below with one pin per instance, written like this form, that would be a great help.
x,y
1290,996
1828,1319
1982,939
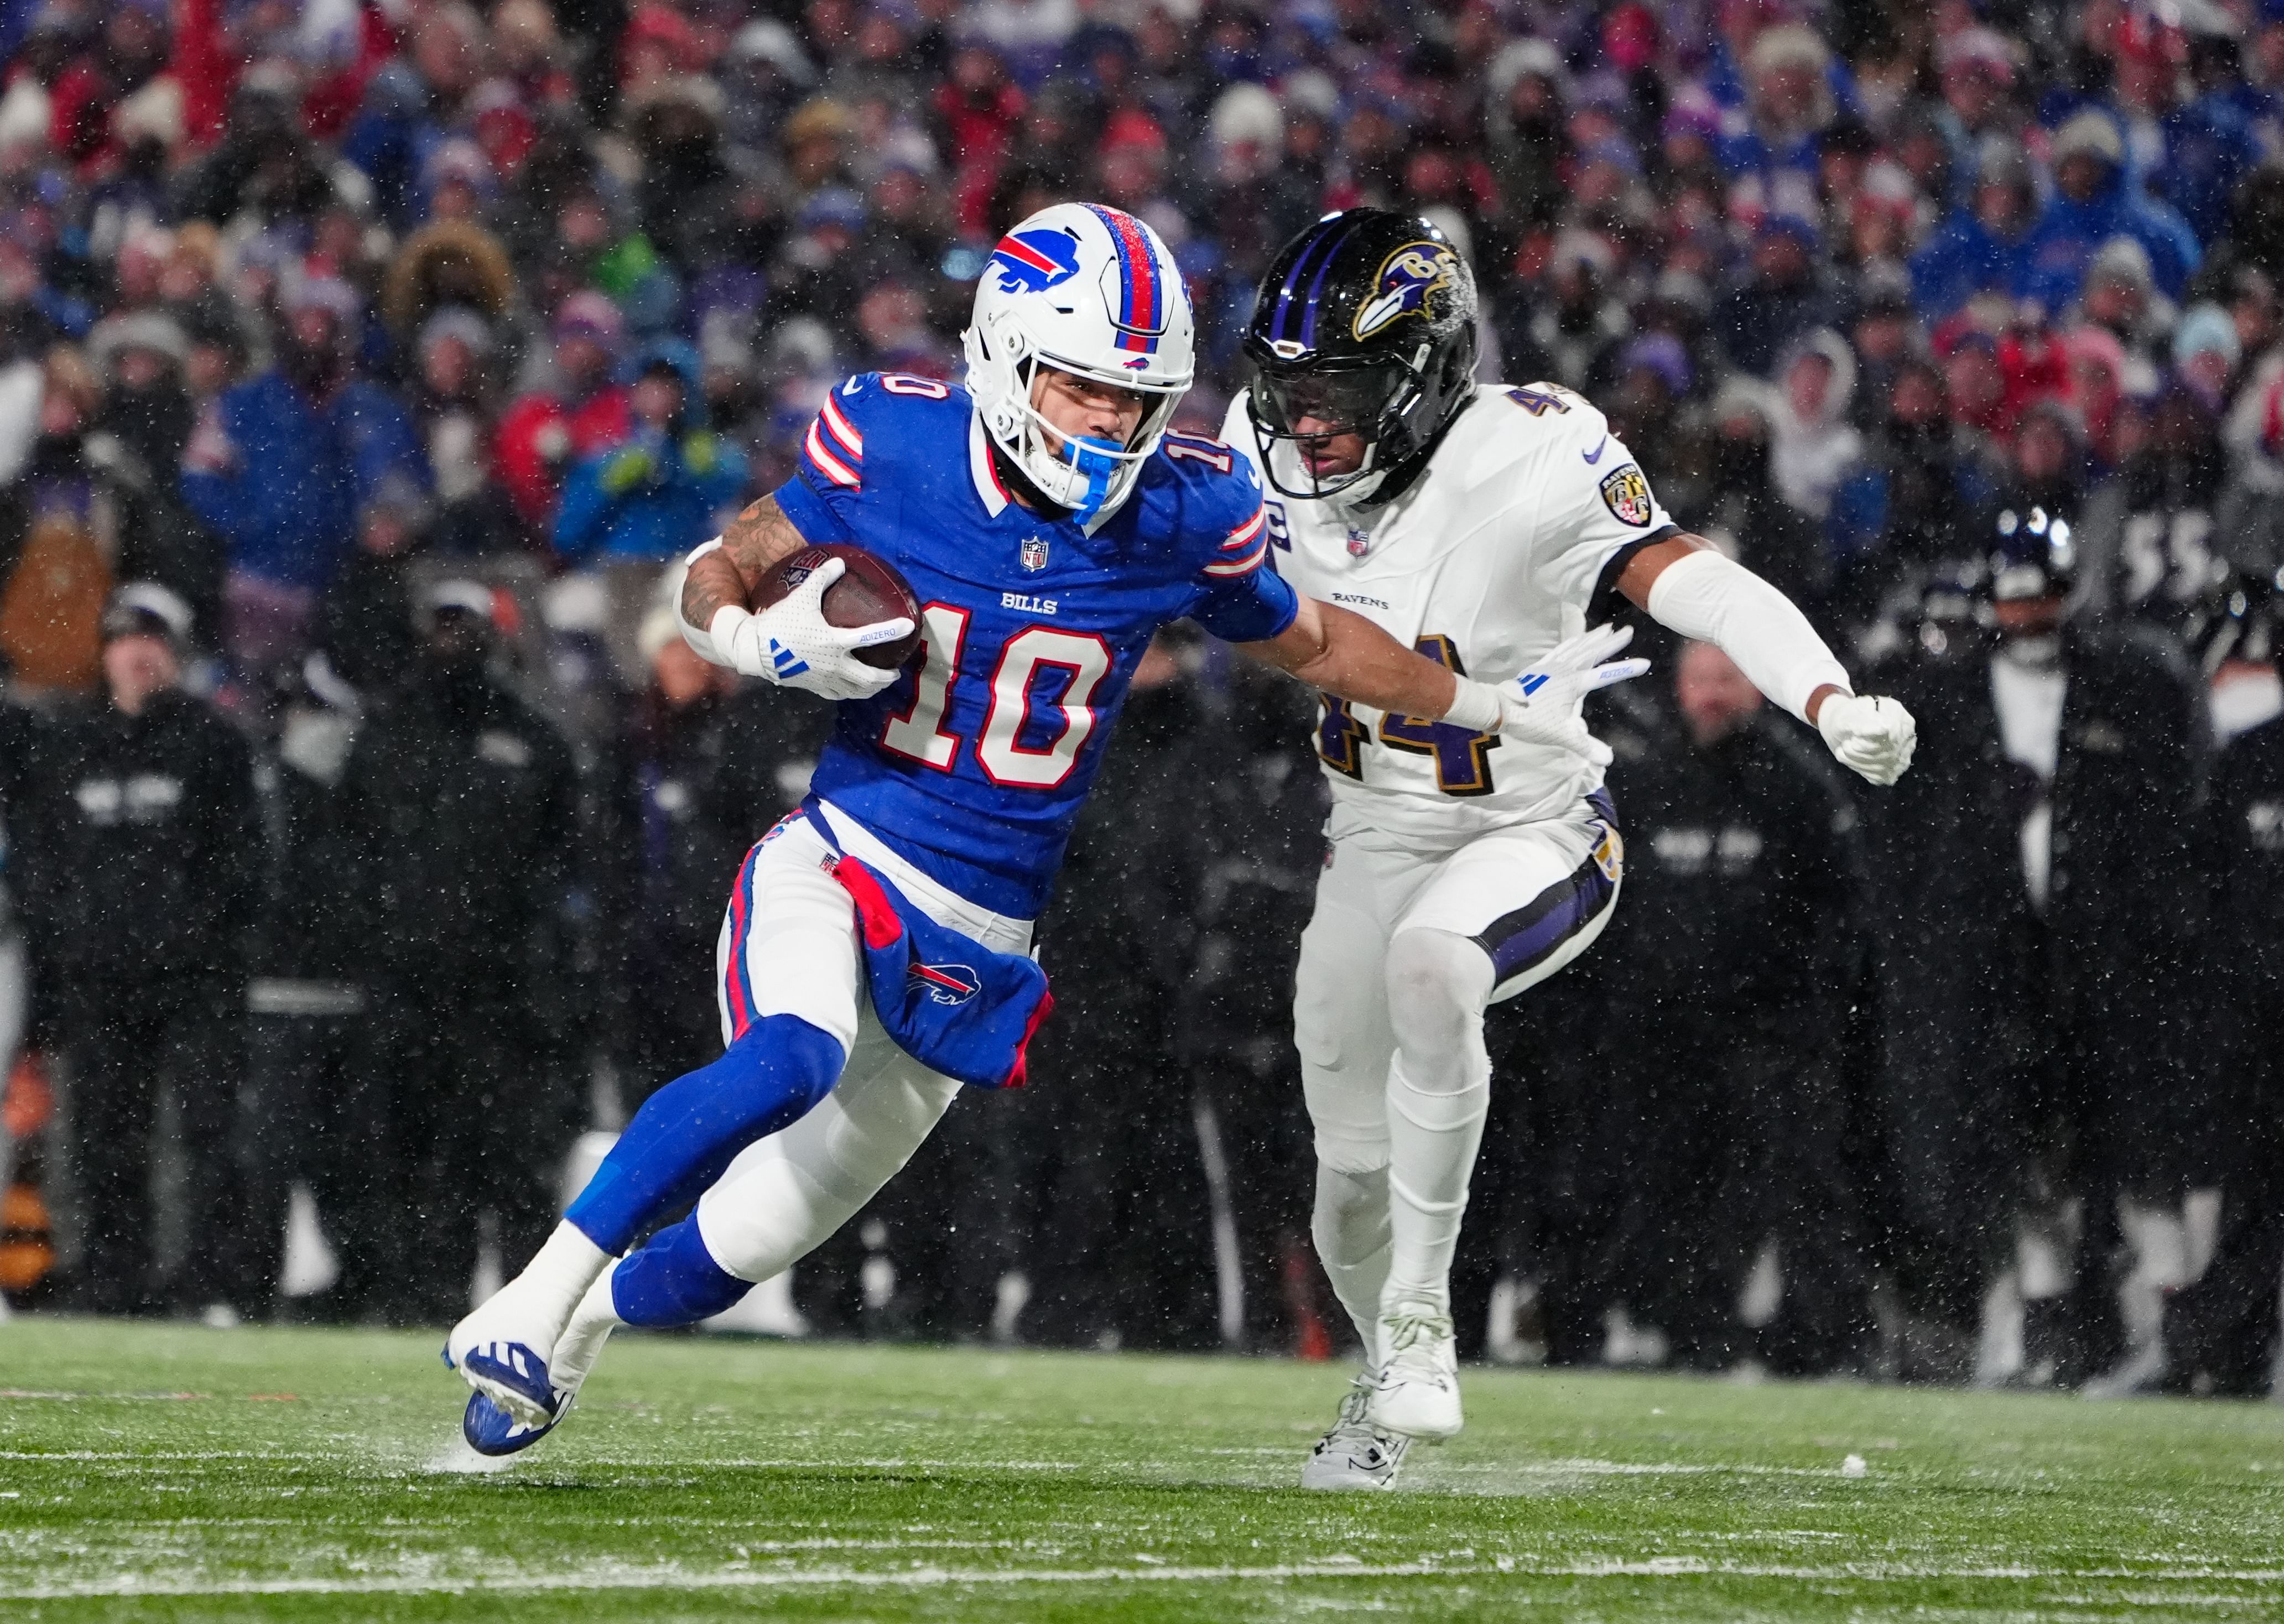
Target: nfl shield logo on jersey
x,y
1034,552
1627,494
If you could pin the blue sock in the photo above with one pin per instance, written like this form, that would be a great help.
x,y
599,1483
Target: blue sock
x,y
688,1132
673,1280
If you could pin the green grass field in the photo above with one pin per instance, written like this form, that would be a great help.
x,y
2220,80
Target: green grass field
x,y
163,1472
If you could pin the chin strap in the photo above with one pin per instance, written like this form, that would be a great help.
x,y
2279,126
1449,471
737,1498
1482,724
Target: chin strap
x,y
1097,461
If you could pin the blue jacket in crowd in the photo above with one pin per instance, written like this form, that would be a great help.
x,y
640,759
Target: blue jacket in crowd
x,y
2069,235
659,506
2210,147
1963,257
657,495
287,506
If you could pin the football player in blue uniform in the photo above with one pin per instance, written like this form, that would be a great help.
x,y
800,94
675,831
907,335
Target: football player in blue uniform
x,y
876,949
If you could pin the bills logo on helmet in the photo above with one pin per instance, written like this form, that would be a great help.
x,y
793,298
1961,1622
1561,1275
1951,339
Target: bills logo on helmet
x,y
1033,261
952,984
1626,494
1406,278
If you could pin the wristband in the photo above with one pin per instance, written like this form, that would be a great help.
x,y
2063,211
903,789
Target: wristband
x,y
1475,706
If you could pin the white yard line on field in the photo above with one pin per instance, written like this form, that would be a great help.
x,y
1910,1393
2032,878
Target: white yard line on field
x,y
671,1577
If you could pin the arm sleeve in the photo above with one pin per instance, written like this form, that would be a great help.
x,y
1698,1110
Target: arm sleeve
x,y
1716,600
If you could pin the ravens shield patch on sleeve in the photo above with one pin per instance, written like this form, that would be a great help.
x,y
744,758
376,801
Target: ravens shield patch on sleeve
x,y
1626,493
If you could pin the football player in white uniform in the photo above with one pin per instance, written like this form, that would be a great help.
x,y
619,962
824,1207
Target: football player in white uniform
x,y
1486,526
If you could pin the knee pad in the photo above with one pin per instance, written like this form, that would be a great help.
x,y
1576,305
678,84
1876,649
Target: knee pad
x,y
673,1280
1438,985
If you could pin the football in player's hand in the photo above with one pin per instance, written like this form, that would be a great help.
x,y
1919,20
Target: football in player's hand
x,y
871,590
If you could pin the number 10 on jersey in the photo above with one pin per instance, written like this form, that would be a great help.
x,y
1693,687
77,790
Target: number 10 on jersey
x,y
1001,750
1463,765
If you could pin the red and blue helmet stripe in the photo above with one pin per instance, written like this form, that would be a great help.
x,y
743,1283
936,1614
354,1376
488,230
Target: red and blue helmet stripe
x,y
1143,299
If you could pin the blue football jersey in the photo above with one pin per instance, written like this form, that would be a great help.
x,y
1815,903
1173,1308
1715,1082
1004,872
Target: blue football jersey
x,y
973,765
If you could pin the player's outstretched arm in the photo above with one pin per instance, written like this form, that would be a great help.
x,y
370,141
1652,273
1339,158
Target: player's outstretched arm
x,y
790,642
1346,655
1689,586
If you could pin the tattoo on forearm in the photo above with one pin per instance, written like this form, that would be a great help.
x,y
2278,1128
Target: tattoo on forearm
x,y
756,539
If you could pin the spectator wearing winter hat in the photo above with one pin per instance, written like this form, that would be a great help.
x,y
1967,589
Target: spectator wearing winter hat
x,y
2206,351
1651,379
577,411
1570,335
664,487
2093,202
457,180
1981,247
451,263
456,405
280,464
2121,294
2212,142
1773,161
134,453
1783,294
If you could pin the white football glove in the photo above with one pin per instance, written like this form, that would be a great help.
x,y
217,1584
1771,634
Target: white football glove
x,y
791,644
1871,736
1542,705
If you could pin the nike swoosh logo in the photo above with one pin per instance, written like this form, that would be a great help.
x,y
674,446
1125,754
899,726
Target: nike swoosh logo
x,y
1595,455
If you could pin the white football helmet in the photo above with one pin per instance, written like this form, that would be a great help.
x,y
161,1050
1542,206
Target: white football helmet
x,y
1091,290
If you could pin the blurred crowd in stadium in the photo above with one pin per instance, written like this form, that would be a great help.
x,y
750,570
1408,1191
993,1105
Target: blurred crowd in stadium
x,y
364,362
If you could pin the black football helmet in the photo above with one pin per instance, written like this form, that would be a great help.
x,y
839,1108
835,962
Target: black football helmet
x,y
1365,324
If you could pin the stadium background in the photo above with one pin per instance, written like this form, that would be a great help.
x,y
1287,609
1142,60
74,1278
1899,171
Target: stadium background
x,y
364,331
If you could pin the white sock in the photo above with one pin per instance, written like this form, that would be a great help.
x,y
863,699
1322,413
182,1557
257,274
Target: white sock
x,y
557,1277
581,1343
1350,1229
1438,1096
1433,1138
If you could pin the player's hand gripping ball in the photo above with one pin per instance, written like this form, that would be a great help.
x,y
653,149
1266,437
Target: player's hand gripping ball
x,y
833,621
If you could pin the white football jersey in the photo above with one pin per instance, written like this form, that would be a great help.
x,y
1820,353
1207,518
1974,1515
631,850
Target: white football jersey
x,y
1487,560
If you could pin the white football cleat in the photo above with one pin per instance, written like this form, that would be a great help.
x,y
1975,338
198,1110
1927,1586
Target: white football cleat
x,y
1418,1392
1356,1454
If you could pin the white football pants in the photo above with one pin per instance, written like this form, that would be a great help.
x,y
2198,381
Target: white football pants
x,y
789,947
1403,956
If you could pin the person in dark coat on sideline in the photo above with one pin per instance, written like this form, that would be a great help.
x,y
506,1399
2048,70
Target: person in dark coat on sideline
x,y
461,800
1122,1252
312,1108
2220,1330
1257,823
1729,969
671,849
2032,881
143,860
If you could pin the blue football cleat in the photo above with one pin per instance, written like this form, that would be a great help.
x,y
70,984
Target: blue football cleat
x,y
490,1429
513,1378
